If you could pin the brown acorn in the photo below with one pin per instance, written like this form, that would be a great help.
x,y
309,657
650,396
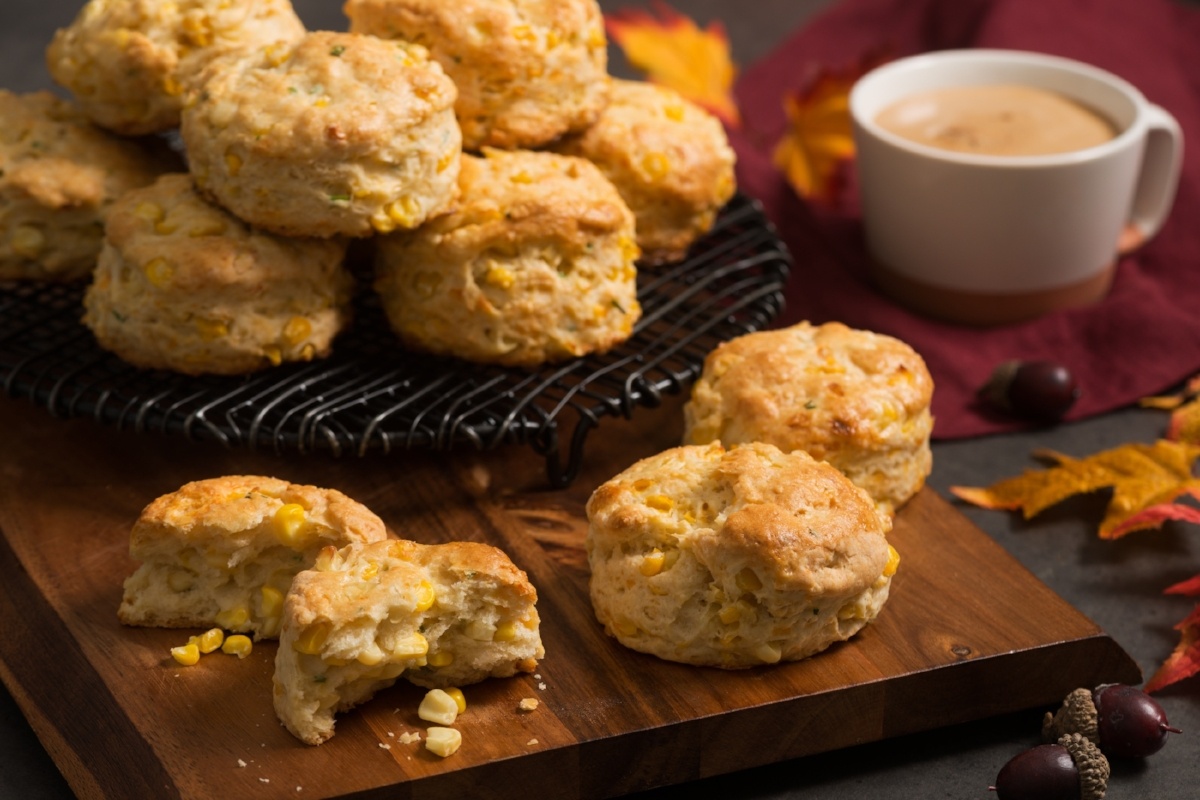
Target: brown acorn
x,y
1123,721
1070,769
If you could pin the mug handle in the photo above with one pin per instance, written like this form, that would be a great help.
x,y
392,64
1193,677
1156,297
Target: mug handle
x,y
1159,178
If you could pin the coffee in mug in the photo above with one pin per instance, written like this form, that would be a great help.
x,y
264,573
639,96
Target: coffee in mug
x,y
998,120
985,236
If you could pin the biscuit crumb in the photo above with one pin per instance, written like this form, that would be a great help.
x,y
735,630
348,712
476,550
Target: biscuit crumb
x,y
542,686
527,704
264,780
383,746
241,763
409,738
531,742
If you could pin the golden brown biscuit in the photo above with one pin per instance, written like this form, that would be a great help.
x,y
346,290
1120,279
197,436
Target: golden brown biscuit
x,y
668,157
59,174
735,558
223,551
127,61
437,615
183,285
857,399
534,264
527,71
339,134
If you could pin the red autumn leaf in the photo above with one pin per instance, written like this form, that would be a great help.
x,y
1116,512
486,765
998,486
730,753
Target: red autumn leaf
x,y
674,52
1190,587
1155,516
1140,476
819,142
1184,661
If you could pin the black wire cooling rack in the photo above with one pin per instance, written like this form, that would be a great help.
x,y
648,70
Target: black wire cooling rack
x,y
370,395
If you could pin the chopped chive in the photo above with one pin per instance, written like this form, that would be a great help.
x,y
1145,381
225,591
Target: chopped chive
x,y
617,306
339,198
337,50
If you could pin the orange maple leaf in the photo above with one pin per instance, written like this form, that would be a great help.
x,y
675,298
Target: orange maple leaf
x,y
1184,425
674,52
1184,661
1141,477
819,142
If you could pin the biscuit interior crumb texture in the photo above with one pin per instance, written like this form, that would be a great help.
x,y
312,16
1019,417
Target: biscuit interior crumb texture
x,y
857,399
735,558
438,615
183,285
534,264
335,135
128,61
669,158
223,551
527,71
59,175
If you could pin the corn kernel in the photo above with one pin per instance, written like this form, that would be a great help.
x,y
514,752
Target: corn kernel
x,y
197,31
324,560
404,212
237,645
552,39
165,227
289,524
523,33
273,355
893,562
625,627
207,227
442,741
232,619
187,654
210,640
370,655
521,176
505,632
151,212
296,330
629,250
729,614
210,329
768,653
425,596
371,570
446,160
652,563
660,502
642,484
308,352
748,581
181,580
674,112
233,164
500,277
656,165
382,223
321,101
272,601
159,272
459,698
312,639
416,645
171,87
27,241
442,658
438,706
595,38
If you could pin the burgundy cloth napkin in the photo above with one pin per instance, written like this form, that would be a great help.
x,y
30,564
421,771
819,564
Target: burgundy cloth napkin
x,y
1140,340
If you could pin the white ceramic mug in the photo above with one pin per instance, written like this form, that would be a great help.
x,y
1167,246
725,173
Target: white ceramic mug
x,y
986,239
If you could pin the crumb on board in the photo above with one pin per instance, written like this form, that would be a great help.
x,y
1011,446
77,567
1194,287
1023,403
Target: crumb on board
x,y
527,704
409,738
542,686
241,763
531,742
384,746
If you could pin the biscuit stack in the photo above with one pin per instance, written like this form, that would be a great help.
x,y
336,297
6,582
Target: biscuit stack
x,y
520,252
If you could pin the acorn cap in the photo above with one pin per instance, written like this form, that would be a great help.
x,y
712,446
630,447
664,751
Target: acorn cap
x,y
1091,763
1077,715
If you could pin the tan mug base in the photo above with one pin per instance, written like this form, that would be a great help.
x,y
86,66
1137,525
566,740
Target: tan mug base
x,y
983,310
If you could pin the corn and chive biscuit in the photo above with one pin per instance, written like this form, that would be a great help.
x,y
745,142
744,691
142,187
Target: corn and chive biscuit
x,y
363,617
735,558
59,175
183,285
534,264
857,399
223,551
669,158
527,71
336,135
127,61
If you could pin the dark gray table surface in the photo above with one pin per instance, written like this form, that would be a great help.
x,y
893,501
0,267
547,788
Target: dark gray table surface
x,y
1116,584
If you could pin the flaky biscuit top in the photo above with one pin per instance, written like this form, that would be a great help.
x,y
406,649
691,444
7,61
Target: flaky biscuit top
x,y
330,93
797,523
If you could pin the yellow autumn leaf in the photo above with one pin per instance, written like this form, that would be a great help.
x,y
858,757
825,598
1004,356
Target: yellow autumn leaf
x,y
674,52
1185,411
1139,475
819,141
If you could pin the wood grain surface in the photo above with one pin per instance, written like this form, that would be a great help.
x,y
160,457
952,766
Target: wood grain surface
x,y
968,633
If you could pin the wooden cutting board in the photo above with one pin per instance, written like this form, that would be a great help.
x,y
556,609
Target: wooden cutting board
x,y
967,633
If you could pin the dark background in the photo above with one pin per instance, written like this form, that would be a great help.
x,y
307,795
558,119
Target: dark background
x,y
1117,584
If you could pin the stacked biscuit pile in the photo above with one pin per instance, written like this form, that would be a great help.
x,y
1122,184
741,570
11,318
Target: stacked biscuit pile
x,y
509,183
